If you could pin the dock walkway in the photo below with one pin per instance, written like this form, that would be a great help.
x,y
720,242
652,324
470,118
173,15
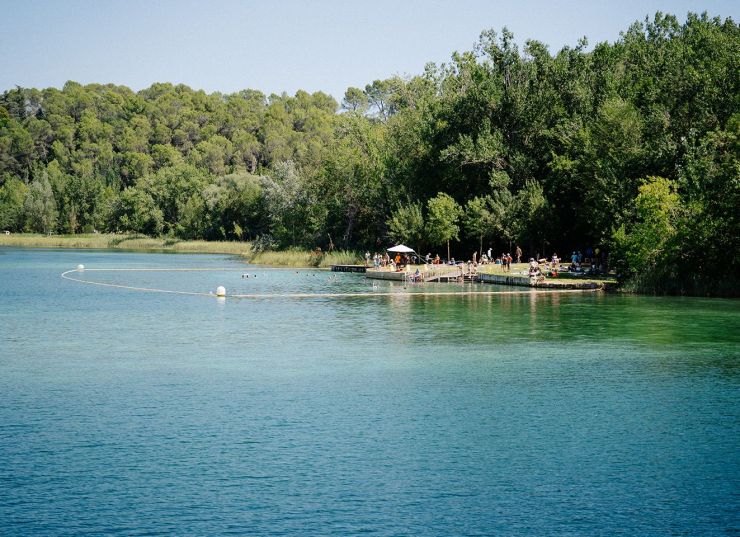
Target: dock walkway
x,y
459,274
525,281
349,268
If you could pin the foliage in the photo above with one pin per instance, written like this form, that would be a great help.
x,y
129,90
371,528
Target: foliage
x,y
649,241
12,196
442,223
39,206
406,225
481,219
548,149
135,210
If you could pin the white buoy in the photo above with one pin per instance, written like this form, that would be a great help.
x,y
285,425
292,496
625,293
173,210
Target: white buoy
x,y
221,291
80,268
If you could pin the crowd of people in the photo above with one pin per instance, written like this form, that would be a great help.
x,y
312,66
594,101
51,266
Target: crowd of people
x,y
592,261
397,262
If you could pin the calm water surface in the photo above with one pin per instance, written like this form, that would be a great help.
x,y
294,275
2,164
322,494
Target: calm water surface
x,y
134,413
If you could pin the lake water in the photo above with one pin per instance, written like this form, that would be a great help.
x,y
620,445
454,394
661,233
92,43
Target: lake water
x,y
134,413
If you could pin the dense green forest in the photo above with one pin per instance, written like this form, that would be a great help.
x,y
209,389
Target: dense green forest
x,y
631,146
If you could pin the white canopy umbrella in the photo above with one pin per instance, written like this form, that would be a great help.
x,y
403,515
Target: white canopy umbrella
x,y
401,249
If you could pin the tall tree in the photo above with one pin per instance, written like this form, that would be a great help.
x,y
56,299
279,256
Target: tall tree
x,y
443,214
406,225
39,207
481,220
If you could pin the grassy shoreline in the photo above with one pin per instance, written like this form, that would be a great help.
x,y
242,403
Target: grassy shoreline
x,y
141,243
125,242
294,257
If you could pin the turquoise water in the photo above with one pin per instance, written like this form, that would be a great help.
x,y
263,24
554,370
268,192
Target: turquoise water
x,y
133,413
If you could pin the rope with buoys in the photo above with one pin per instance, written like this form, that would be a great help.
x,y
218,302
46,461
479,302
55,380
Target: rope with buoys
x,y
221,293
66,276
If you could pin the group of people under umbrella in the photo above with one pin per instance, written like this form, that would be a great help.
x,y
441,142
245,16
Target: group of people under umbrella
x,y
403,256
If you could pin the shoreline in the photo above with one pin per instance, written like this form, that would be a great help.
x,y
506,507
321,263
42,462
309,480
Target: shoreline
x,y
290,258
130,242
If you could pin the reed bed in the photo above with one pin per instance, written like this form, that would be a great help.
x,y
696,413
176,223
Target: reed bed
x,y
294,257
126,242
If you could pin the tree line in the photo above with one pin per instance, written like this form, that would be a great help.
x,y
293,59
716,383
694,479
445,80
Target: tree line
x,y
631,146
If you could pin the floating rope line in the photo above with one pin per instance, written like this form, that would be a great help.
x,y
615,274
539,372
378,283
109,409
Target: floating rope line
x,y
66,276
355,294
156,270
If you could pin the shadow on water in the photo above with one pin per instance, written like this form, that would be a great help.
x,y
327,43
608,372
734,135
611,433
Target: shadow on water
x,y
695,333
593,317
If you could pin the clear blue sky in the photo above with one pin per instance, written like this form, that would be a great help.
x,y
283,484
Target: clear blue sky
x,y
275,46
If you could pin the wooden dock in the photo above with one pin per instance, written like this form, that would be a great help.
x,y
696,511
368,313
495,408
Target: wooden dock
x,y
524,281
460,274
376,274
448,274
439,273
349,268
